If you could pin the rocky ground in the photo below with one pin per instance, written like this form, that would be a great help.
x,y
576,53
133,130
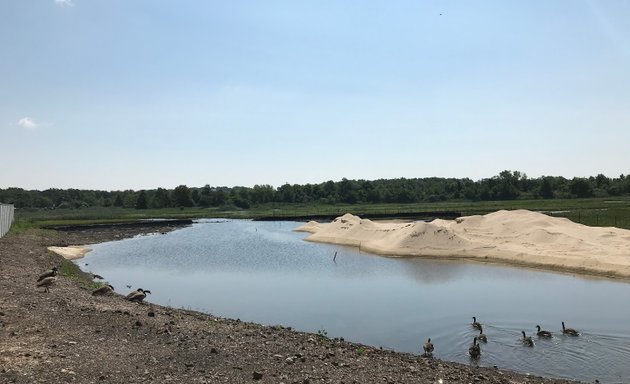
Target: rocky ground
x,y
68,335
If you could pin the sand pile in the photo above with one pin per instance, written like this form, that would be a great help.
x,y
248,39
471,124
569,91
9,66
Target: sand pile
x,y
516,237
71,252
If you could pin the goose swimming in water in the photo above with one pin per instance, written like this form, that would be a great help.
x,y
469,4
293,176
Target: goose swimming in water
x,y
475,323
104,290
542,333
47,282
527,340
569,331
481,336
49,273
475,350
137,295
428,347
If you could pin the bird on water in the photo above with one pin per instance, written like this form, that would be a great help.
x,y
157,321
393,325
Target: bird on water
x,y
475,350
481,336
569,331
475,323
527,340
541,333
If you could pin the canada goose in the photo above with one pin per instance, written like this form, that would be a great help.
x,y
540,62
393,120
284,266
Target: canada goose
x,y
569,331
475,350
475,324
133,293
481,336
46,282
49,273
138,295
104,290
527,340
542,333
428,347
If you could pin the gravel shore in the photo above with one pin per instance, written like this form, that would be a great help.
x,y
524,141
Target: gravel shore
x,y
68,335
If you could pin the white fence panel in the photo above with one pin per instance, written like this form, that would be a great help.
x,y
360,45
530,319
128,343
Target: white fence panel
x,y
6,218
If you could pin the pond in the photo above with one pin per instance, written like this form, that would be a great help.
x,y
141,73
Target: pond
x,y
264,272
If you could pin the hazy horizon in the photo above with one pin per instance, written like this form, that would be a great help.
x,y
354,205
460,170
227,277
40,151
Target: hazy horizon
x,y
139,95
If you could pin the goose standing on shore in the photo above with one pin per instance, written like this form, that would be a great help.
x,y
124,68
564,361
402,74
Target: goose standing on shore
x,y
428,347
542,333
527,340
475,350
137,295
46,282
569,331
49,273
104,290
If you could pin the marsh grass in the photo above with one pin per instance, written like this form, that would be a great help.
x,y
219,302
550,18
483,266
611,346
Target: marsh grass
x,y
594,211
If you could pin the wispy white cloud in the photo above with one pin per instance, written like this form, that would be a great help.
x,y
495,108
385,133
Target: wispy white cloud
x,y
28,123
64,3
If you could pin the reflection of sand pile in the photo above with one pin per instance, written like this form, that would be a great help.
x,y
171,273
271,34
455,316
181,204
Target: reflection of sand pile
x,y
520,236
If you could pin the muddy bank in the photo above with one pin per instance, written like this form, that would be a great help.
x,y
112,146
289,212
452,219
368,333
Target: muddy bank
x,y
68,336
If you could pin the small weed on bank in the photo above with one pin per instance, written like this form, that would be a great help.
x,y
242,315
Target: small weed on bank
x,y
71,271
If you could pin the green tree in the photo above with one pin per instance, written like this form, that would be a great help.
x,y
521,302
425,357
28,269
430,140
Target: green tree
x,y
546,189
161,199
141,201
581,187
182,196
118,201
205,199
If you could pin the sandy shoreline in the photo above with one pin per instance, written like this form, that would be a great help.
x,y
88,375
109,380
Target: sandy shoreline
x,y
520,237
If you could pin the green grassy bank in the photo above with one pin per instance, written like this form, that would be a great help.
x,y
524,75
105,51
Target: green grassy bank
x,y
593,211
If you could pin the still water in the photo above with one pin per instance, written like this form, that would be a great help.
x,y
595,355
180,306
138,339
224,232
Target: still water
x,y
263,272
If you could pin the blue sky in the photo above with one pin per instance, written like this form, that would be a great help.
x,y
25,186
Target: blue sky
x,y
144,94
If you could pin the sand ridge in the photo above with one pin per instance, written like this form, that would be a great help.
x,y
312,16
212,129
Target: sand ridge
x,y
516,237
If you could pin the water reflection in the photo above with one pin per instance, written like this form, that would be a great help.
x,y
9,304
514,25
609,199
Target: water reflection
x,y
430,271
264,272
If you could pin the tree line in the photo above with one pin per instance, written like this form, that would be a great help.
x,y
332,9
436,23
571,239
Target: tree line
x,y
508,185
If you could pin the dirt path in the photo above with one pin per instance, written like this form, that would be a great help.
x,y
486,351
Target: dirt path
x,y
68,335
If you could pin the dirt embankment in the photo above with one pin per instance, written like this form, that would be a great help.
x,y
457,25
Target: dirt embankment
x,y
70,336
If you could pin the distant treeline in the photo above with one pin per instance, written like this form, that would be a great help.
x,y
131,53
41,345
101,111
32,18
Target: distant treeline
x,y
507,185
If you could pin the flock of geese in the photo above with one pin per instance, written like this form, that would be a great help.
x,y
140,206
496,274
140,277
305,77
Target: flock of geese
x,y
475,349
49,277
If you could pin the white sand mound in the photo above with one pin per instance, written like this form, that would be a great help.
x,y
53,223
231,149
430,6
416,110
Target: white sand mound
x,y
71,252
517,237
